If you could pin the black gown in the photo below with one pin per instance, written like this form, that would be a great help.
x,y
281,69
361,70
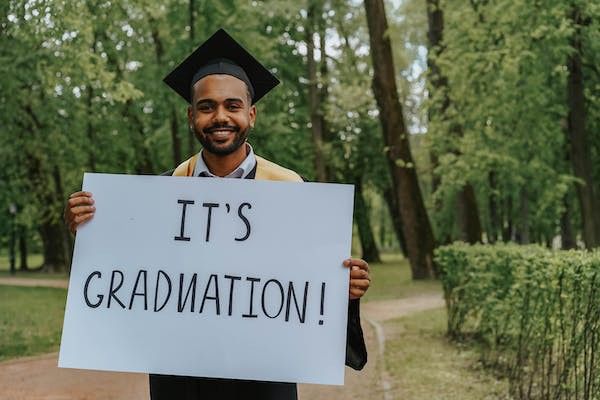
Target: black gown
x,y
168,387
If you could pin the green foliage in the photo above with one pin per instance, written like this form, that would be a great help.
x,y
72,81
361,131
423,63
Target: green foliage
x,y
535,312
82,91
30,320
506,66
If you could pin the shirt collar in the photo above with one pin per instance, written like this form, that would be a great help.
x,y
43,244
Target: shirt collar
x,y
201,169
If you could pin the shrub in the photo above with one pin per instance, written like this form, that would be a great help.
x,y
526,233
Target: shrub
x,y
535,312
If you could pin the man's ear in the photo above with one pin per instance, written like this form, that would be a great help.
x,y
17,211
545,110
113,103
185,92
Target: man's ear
x,y
252,114
190,114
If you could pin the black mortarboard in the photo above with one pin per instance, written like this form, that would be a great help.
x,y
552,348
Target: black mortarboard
x,y
221,54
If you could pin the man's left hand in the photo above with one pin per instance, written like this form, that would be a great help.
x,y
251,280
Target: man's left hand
x,y
359,277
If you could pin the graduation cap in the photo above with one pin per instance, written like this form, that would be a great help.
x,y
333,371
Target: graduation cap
x,y
221,54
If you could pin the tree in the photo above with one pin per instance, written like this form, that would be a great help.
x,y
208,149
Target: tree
x,y
416,226
467,210
315,97
577,136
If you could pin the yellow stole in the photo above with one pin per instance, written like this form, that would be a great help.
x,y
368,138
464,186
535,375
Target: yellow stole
x,y
265,170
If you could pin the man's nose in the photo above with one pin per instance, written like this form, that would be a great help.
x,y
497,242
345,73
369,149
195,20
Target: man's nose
x,y
221,116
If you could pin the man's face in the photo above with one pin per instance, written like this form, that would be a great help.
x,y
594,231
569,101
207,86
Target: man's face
x,y
221,113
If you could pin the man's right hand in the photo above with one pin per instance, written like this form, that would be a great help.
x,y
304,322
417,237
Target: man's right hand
x,y
79,209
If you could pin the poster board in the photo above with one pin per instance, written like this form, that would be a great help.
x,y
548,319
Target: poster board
x,y
225,278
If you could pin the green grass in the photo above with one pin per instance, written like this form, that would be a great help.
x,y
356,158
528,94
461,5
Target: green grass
x,y
33,261
392,279
424,364
30,320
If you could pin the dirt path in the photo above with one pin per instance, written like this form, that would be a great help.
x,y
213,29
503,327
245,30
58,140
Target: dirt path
x,y
372,382
38,378
55,283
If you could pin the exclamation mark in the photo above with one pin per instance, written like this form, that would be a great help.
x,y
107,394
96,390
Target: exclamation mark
x,y
322,301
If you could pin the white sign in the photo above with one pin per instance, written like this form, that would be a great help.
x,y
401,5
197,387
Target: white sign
x,y
224,278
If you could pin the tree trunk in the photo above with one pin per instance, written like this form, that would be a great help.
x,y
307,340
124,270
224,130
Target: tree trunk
x,y
91,134
12,242
143,158
59,193
523,231
507,228
175,138
52,243
577,137
328,134
159,52
416,226
314,96
53,232
23,249
435,22
390,200
192,16
191,139
370,252
493,208
567,236
467,210
468,215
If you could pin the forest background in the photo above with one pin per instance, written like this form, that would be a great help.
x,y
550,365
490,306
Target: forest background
x,y
474,120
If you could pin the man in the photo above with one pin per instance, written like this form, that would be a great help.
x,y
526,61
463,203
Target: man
x,y
222,82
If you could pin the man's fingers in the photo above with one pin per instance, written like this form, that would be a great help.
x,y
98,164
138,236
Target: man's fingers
x,y
81,218
80,200
360,283
80,194
79,209
83,210
356,262
359,274
356,293
78,220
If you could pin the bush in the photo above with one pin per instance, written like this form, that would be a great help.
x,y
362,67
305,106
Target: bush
x,y
535,312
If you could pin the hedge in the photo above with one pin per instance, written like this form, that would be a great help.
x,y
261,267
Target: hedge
x,y
535,313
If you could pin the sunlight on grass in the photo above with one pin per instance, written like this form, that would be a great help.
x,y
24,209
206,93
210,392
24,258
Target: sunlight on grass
x,y
391,279
423,364
33,261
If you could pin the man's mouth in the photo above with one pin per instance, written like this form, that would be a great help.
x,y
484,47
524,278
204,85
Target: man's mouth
x,y
221,130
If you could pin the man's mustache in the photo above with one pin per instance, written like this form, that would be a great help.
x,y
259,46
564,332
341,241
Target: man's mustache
x,y
214,128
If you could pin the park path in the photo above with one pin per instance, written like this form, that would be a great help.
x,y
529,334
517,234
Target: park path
x,y
39,378
33,282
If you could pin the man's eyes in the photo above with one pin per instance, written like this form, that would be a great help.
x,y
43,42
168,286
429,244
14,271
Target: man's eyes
x,y
210,107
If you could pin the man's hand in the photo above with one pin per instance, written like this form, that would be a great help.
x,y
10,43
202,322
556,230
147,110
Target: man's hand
x,y
79,209
359,277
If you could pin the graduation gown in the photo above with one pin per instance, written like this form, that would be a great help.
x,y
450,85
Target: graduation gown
x,y
166,387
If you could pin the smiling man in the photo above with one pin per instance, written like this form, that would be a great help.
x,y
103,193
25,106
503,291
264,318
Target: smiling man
x,y
221,117
222,82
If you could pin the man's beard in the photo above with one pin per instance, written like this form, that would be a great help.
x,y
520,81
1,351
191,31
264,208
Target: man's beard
x,y
211,147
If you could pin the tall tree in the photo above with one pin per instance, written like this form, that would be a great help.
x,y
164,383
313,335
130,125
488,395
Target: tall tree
x,y
314,14
467,210
416,226
578,138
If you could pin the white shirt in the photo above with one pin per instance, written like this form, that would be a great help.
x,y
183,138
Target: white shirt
x,y
240,172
